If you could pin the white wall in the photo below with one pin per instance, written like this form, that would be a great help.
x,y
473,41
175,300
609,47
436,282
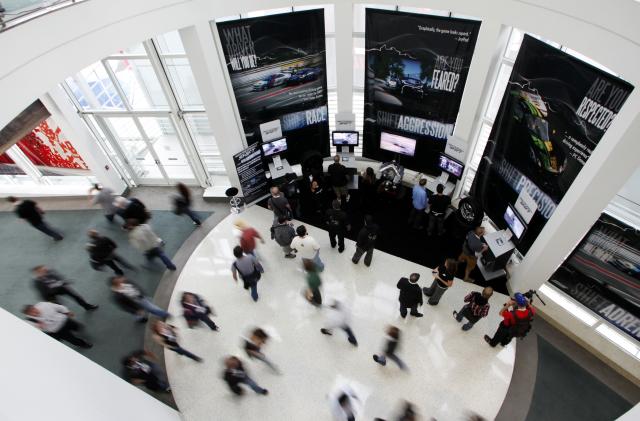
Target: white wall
x,y
43,379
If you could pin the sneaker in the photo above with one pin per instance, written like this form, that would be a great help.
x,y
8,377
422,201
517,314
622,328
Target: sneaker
x,y
455,316
264,392
92,307
375,358
340,250
353,342
417,314
467,326
487,339
425,291
290,256
326,332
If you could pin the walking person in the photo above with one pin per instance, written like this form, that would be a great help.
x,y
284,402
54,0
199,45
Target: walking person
x,y
338,316
442,280
313,282
517,316
50,284
284,233
140,368
248,236
235,375
167,336
338,177
342,404
337,225
56,321
366,241
144,239
438,205
476,308
130,298
419,202
307,247
29,211
131,209
410,295
279,205
182,204
102,253
250,270
104,197
470,249
195,310
253,347
392,342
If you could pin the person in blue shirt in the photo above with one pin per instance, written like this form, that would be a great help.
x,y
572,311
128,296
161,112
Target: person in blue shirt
x,y
420,201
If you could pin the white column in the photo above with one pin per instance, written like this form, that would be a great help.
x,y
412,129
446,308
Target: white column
x,y
610,166
66,116
210,77
344,54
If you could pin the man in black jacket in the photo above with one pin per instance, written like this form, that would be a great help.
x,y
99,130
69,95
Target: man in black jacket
x,y
410,295
29,211
234,375
337,225
102,253
366,241
140,367
50,284
338,176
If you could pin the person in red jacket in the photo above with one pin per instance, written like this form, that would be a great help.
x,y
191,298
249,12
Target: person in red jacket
x,y
517,315
248,237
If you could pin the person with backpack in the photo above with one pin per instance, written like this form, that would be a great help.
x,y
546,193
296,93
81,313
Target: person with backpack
x,y
182,204
366,241
284,233
279,205
337,225
250,270
517,316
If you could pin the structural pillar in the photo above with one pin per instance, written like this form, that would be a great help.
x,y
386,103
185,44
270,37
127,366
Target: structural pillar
x,y
344,54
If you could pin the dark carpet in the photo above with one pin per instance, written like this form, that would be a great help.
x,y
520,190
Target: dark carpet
x,y
565,391
113,331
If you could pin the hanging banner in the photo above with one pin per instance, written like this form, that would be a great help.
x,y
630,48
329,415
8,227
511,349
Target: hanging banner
x,y
277,67
251,173
416,69
554,112
603,273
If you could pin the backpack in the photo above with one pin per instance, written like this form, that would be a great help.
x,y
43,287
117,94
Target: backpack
x,y
522,326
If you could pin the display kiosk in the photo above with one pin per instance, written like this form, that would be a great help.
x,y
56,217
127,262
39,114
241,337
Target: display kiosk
x,y
501,246
278,166
345,141
451,169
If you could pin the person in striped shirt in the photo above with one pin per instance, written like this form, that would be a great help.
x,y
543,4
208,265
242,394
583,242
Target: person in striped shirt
x,y
476,308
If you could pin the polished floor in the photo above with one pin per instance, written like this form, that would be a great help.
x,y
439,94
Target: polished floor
x,y
451,373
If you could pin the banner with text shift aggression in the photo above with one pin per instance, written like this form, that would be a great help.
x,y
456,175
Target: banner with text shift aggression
x,y
554,112
416,69
277,67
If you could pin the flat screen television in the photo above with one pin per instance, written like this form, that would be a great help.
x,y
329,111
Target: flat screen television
x,y
275,147
345,138
515,223
450,165
398,144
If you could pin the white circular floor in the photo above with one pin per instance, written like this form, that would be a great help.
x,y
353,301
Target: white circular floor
x,y
451,372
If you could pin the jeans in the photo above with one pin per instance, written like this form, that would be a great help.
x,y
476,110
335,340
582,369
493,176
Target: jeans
x,y
190,214
150,307
403,309
261,357
316,297
158,252
358,254
254,291
179,350
332,239
253,385
43,227
350,336
434,292
502,336
415,218
436,221
382,360
204,318
465,312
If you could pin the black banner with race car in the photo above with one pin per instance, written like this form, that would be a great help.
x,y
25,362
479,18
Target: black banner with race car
x,y
555,110
603,273
416,69
277,67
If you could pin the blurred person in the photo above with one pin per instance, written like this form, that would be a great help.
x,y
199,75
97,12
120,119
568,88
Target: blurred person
x,y
131,209
104,197
438,205
366,241
248,237
253,347
29,211
292,193
130,297
338,316
337,225
342,405
392,341
313,282
235,375
195,310
250,270
144,239
472,246
338,177
410,295
284,233
167,336
50,284
442,280
182,203
476,308
517,316
419,202
279,205
102,253
140,368
307,247
408,412
368,188
56,321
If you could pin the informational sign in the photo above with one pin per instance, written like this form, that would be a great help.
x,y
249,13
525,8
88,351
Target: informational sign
x,y
251,172
271,130
456,148
416,70
345,121
277,67
526,206
554,112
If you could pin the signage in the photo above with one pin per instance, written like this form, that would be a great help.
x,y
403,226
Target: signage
x,y
525,206
271,130
345,122
456,148
251,173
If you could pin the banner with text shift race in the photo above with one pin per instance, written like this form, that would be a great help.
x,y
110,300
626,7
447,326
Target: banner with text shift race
x,y
416,69
554,111
278,70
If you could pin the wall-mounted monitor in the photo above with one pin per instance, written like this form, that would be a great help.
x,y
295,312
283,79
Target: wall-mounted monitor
x,y
515,223
345,138
275,147
450,165
398,144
